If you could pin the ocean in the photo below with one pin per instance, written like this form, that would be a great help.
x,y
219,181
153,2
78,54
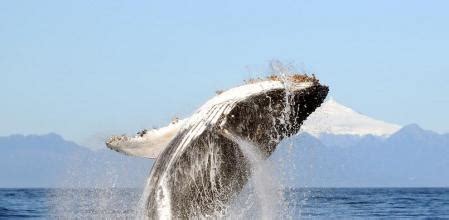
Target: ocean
x,y
301,203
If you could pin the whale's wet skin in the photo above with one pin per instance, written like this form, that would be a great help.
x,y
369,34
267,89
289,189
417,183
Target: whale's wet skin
x,y
204,161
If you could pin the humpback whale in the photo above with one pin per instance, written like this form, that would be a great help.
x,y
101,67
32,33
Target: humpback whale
x,y
200,166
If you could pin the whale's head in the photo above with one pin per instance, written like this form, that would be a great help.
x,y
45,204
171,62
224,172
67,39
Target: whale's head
x,y
264,111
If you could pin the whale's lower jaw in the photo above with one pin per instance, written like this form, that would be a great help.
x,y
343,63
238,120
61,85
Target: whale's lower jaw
x,y
202,169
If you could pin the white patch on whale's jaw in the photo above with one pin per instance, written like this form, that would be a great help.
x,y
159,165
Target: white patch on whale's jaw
x,y
147,143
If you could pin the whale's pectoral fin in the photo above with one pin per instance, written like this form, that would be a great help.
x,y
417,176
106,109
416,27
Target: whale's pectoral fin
x,y
147,143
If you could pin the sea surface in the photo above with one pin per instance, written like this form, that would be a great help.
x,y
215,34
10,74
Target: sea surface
x,y
302,203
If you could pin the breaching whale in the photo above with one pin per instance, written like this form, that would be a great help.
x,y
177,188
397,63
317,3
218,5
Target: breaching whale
x,y
200,166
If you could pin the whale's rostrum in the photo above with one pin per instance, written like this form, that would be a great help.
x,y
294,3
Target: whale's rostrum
x,y
199,166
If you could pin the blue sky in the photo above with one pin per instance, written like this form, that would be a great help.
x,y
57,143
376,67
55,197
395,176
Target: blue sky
x,y
88,68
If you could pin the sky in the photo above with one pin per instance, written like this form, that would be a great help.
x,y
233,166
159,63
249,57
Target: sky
x,y
88,69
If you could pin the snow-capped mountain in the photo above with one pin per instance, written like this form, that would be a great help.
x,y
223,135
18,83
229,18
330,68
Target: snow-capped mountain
x,y
335,118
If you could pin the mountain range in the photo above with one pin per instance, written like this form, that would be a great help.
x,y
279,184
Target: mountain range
x,y
50,161
337,147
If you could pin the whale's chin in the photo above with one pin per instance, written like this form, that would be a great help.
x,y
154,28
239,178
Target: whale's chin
x,y
200,164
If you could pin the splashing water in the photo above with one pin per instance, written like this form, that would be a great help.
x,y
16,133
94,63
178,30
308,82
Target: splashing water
x,y
266,191
95,185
